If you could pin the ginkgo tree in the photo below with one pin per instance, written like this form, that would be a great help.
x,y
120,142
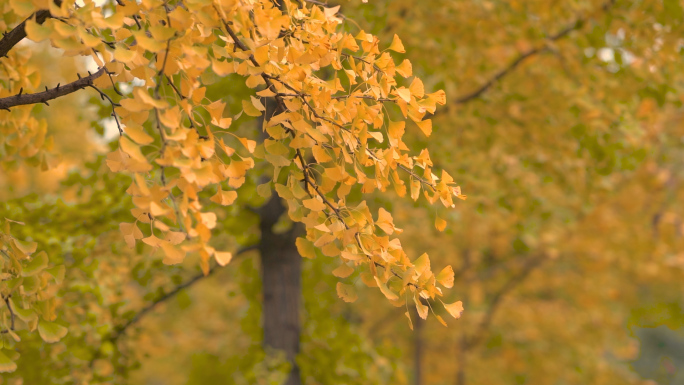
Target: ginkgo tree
x,y
332,108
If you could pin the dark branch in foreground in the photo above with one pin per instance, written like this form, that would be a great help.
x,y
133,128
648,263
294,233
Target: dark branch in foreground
x,y
577,24
13,37
49,94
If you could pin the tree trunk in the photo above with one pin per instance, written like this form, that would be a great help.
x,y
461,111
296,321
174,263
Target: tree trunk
x,y
281,285
418,350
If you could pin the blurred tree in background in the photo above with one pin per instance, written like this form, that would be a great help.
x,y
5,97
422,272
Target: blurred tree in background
x,y
562,125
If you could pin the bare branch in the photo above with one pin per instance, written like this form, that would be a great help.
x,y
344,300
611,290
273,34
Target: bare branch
x,y
120,330
577,24
49,94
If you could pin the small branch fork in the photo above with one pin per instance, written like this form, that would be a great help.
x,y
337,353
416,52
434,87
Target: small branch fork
x,y
49,94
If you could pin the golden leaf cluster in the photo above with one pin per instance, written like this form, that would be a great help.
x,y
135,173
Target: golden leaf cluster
x,y
322,94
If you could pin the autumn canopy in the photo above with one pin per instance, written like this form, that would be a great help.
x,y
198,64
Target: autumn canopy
x,y
145,145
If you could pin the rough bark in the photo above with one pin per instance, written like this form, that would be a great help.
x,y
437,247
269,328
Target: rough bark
x,y
18,33
281,285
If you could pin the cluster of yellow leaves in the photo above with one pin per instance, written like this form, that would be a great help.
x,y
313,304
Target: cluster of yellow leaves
x,y
329,130
27,295
22,136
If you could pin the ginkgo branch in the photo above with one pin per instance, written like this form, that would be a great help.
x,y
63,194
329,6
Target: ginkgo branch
x,y
368,151
577,24
18,33
307,180
9,307
22,99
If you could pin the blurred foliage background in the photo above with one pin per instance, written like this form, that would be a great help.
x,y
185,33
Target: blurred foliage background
x,y
568,252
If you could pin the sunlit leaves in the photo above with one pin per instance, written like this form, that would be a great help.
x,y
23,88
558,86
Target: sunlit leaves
x,y
322,96
440,224
446,277
223,258
397,45
305,248
455,309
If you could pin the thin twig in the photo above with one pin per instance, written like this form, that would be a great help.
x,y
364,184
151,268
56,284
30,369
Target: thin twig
x,y
9,307
104,96
577,24
121,330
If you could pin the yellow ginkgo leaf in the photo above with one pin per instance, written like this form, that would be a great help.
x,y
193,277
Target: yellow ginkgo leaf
x,y
440,224
223,258
425,126
249,109
346,292
224,198
446,277
305,248
343,271
314,204
397,45
409,320
138,135
385,290
455,309
420,307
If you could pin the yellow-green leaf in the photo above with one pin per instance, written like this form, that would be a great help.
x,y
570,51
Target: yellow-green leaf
x,y
346,292
37,263
6,365
51,332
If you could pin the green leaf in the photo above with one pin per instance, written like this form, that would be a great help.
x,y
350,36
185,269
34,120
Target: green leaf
x,y
57,273
26,315
264,190
6,365
31,285
37,264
